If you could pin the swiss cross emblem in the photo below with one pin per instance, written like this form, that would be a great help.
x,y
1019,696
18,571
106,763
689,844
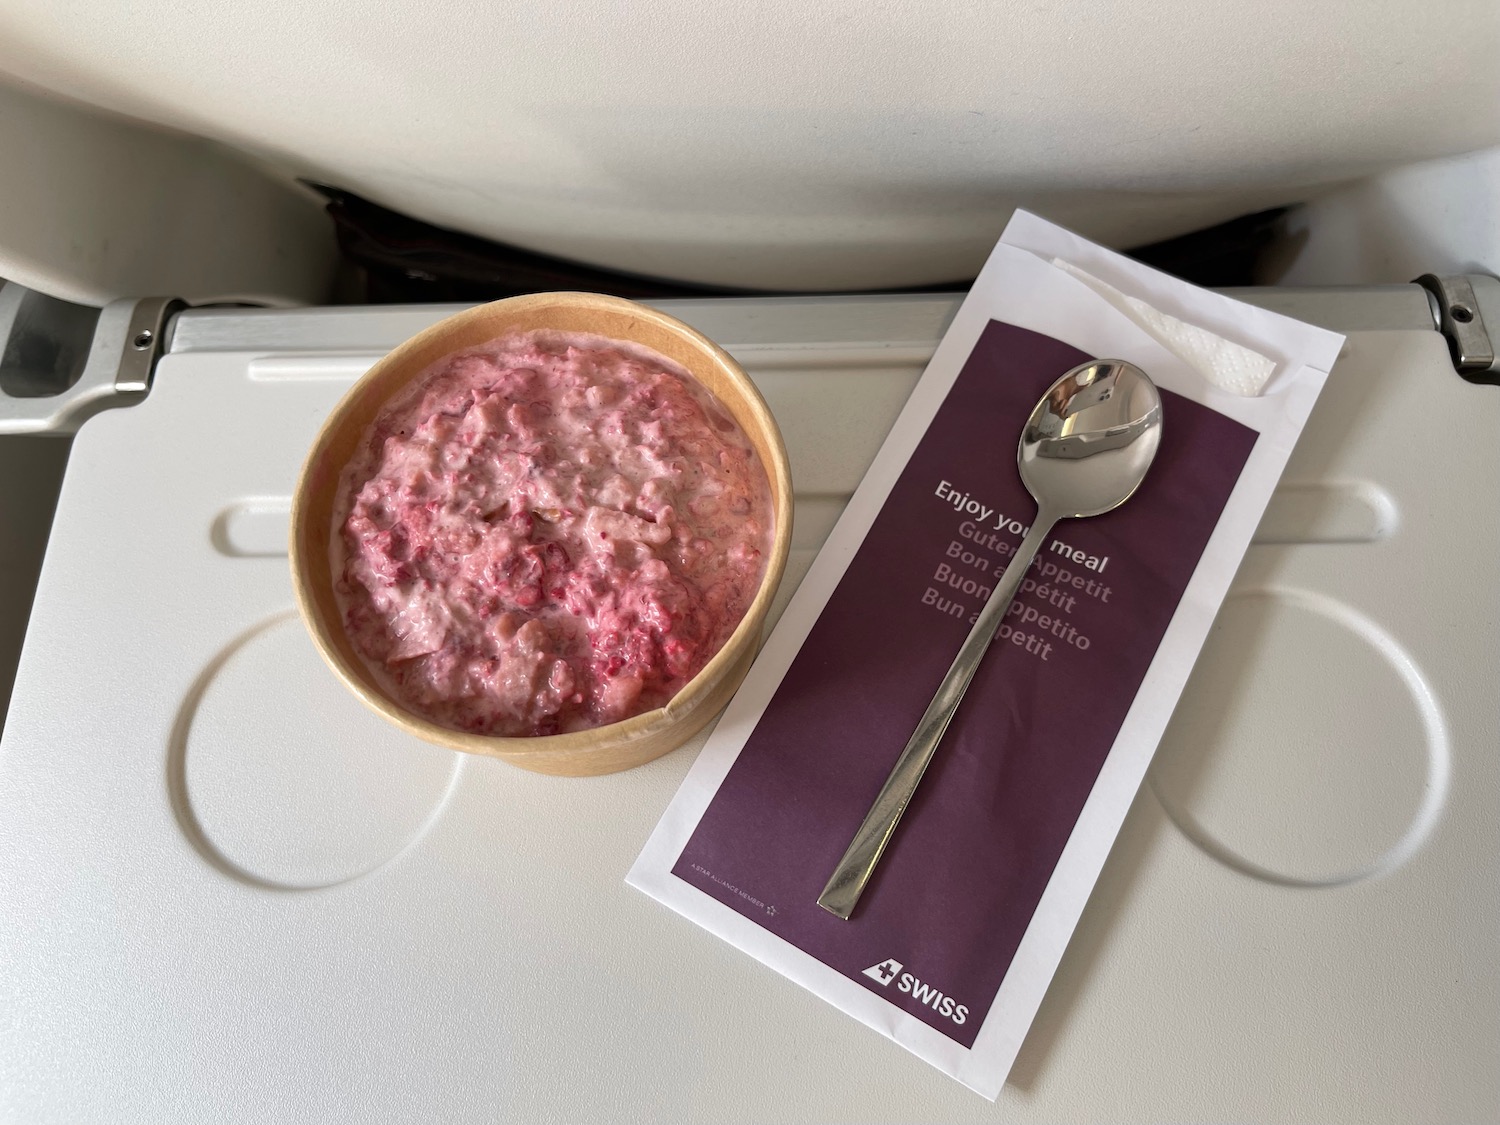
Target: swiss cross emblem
x,y
885,972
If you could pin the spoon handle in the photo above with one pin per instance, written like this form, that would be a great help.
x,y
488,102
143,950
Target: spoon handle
x,y
848,880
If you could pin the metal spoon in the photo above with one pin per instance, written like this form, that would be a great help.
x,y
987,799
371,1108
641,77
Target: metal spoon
x,y
1085,450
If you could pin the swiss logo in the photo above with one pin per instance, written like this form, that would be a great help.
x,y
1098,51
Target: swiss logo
x,y
885,972
919,990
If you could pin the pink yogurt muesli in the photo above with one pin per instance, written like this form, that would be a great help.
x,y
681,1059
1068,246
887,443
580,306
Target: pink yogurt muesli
x,y
549,533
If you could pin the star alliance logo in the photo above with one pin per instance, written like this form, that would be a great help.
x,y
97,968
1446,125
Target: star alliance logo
x,y
885,972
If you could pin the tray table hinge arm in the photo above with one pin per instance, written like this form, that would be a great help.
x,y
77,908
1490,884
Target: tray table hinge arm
x,y
61,363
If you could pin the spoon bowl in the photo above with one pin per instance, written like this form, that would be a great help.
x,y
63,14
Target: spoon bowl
x,y
1087,445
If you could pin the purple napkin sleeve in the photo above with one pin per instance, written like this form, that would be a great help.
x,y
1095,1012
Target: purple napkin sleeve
x,y
937,929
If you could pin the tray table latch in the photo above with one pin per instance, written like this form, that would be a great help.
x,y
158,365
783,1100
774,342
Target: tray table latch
x,y
1466,309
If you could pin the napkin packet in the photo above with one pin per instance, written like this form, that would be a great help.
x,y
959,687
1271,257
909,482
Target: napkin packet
x,y
959,932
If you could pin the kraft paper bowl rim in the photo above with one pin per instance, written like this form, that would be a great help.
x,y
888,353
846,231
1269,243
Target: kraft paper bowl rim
x,y
619,745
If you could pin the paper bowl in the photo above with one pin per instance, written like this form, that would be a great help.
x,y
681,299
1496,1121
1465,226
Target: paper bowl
x,y
604,749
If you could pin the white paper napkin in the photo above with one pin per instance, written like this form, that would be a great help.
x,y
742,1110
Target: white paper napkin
x,y
1229,366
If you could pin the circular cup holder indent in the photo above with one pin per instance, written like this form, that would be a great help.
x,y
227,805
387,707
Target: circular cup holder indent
x,y
1308,748
283,779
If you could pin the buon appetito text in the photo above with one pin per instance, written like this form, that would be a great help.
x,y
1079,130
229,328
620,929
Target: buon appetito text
x,y
971,562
